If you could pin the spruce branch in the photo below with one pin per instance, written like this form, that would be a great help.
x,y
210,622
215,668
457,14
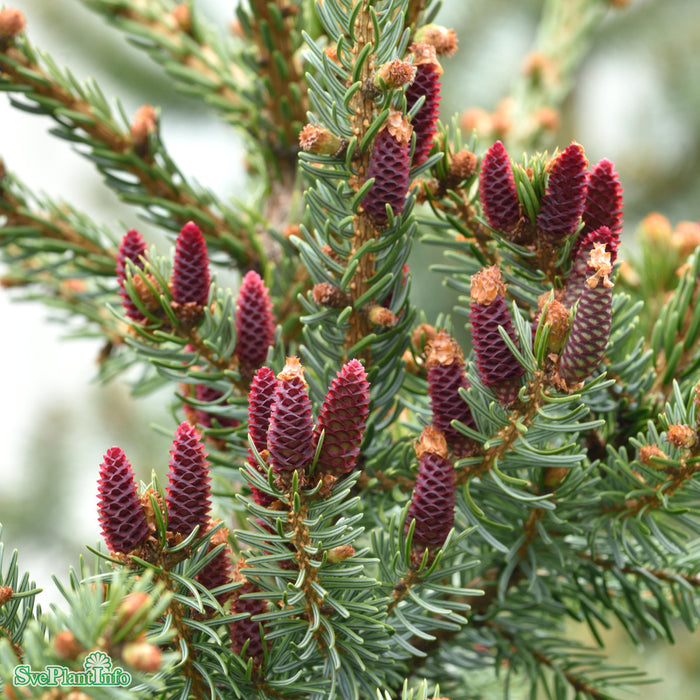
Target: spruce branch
x,y
151,180
202,64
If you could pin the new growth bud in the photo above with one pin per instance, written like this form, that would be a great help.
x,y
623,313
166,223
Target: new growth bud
x,y
121,515
433,501
343,417
318,140
394,74
443,40
143,126
12,23
189,491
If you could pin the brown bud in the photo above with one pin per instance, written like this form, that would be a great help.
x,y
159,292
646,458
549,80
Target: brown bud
x,y
554,476
681,436
463,164
425,190
381,316
326,294
686,237
476,119
394,74
291,370
433,441
145,293
144,124
5,594
547,118
486,285
317,140
422,335
656,228
425,53
142,656
133,609
558,320
67,646
647,452
12,23
338,554
182,16
443,40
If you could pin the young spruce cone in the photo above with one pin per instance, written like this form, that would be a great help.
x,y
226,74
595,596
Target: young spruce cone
x,y
499,198
390,167
246,630
189,491
496,366
190,277
255,325
433,500
590,329
426,83
603,206
343,416
219,571
260,399
132,247
446,375
562,204
290,436
121,515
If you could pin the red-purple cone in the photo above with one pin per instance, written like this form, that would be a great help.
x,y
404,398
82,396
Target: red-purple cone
x,y
590,329
255,325
121,515
246,630
446,375
578,274
562,204
132,247
496,366
343,416
260,399
499,197
290,438
219,571
205,393
426,83
190,278
603,205
390,166
433,501
189,489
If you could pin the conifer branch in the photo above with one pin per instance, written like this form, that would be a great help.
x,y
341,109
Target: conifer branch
x,y
84,117
361,117
179,45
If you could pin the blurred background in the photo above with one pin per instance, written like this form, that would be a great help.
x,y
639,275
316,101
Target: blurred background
x,y
636,101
